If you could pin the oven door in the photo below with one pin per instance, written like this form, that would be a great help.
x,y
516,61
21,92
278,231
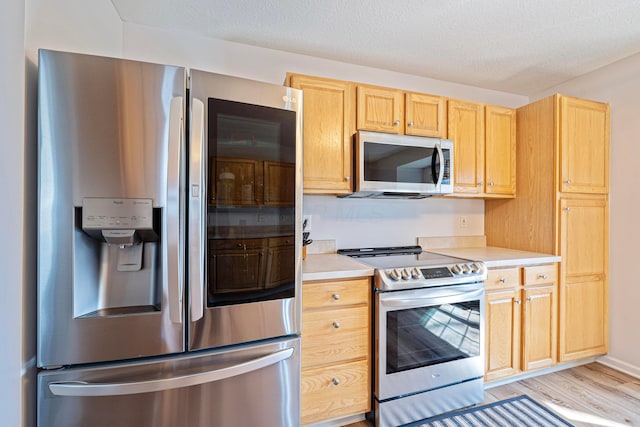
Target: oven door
x,y
428,338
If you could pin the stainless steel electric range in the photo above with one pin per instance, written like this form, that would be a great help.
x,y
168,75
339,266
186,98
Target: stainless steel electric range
x,y
429,332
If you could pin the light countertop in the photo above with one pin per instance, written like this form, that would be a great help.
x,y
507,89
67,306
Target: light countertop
x,y
329,266
498,257
332,266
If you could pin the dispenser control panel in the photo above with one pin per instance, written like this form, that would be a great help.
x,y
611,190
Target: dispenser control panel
x,y
103,213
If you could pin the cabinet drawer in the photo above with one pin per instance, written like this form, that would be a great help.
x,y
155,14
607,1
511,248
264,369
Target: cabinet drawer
x,y
335,293
540,274
503,278
335,391
331,336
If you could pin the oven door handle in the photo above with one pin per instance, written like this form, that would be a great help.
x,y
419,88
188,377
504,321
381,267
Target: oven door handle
x,y
431,297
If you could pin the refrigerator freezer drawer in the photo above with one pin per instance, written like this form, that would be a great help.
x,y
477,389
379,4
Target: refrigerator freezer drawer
x,y
250,385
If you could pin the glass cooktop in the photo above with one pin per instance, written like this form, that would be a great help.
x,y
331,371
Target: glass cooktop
x,y
399,256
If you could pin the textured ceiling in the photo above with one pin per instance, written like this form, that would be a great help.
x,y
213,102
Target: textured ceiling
x,y
517,46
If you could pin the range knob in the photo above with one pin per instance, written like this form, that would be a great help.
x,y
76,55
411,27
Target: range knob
x,y
405,274
475,268
456,269
393,274
415,273
466,269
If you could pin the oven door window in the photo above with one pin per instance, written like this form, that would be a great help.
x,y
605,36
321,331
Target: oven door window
x,y
430,335
251,203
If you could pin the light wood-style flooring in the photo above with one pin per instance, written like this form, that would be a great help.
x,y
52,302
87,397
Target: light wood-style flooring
x,y
587,395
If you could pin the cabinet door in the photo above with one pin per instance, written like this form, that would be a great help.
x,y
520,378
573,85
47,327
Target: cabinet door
x,y
329,125
584,282
335,391
380,109
503,333
500,151
539,328
236,182
236,265
584,145
280,268
465,126
425,115
276,174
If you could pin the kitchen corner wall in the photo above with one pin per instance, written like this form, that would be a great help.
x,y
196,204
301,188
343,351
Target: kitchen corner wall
x,y
619,85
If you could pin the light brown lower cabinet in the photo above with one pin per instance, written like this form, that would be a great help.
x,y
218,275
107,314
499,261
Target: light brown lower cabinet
x,y
521,320
336,362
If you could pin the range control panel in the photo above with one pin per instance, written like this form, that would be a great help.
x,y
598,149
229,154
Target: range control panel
x,y
419,277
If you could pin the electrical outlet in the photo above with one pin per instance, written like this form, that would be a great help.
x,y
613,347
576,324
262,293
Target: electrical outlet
x,y
464,222
306,223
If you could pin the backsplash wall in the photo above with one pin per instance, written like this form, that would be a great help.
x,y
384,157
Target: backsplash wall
x,y
358,223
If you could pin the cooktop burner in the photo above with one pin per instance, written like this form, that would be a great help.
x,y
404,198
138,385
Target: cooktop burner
x,y
408,267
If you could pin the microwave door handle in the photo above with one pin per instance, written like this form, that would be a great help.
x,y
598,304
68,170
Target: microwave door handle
x,y
86,389
172,276
441,170
197,205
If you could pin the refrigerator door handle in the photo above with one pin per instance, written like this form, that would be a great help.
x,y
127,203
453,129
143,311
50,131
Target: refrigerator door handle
x,y
172,252
197,206
86,389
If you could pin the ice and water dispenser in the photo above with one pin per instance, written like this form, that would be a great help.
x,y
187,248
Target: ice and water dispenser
x,y
117,263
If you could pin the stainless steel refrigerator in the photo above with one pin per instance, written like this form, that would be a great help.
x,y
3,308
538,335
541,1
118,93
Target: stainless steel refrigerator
x,y
169,246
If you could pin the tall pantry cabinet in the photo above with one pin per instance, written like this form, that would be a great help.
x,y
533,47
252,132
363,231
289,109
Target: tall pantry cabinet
x,y
562,208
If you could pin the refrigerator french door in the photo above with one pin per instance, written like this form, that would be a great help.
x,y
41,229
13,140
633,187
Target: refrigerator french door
x,y
243,227
169,248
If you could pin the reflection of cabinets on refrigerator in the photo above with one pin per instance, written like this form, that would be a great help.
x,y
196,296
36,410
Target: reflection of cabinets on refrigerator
x,y
251,182
250,264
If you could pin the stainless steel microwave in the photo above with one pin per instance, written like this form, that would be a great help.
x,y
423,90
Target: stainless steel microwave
x,y
401,166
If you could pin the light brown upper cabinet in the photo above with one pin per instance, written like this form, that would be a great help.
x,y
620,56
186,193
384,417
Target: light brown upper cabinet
x,y
484,136
584,146
485,149
329,124
562,209
500,151
381,109
465,125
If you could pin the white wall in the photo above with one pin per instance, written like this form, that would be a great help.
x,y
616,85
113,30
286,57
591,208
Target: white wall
x,y
619,85
351,223
84,26
89,26
189,50
12,195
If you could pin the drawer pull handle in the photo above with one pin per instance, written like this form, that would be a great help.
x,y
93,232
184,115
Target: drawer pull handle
x,y
396,123
542,276
336,325
518,301
336,296
502,280
335,381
